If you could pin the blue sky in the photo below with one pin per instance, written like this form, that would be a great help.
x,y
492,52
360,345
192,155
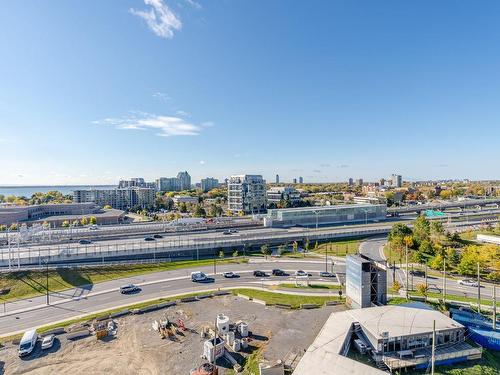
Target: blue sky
x,y
94,91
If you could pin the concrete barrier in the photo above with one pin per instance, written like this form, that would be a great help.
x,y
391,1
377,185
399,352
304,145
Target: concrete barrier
x,y
101,318
283,306
203,296
55,331
188,299
148,309
259,301
333,303
309,306
135,311
243,296
78,335
120,313
166,304
222,293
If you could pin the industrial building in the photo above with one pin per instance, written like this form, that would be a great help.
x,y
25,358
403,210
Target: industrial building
x,y
247,194
395,337
326,215
366,282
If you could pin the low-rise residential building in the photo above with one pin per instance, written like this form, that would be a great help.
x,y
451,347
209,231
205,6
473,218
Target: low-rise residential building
x,y
247,194
185,199
289,194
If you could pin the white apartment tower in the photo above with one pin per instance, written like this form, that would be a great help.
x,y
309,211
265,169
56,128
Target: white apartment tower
x,y
246,193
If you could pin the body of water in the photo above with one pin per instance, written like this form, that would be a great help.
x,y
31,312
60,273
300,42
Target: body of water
x,y
28,191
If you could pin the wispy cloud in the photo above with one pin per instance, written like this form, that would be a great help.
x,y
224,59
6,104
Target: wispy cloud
x,y
316,171
202,162
165,126
194,4
159,18
161,96
183,114
343,166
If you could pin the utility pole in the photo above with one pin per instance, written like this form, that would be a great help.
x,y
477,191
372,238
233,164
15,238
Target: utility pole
x,y
406,259
426,285
444,281
478,290
47,279
326,258
494,307
433,357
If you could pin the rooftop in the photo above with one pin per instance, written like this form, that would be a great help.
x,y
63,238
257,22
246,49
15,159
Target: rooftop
x,y
326,208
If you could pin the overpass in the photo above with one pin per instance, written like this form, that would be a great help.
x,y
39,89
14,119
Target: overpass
x,y
396,211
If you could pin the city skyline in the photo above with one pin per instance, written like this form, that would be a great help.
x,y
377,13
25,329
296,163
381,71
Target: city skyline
x,y
327,91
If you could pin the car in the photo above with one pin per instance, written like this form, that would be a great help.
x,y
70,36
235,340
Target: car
x,y
226,233
27,343
93,227
129,288
233,231
417,273
468,282
84,242
301,273
326,274
198,276
48,341
230,275
158,236
278,272
259,273
149,239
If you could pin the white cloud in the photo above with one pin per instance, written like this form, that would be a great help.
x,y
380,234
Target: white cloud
x,y
202,162
183,113
166,126
159,18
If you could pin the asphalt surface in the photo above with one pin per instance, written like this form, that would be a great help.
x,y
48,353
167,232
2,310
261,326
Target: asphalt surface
x,y
33,312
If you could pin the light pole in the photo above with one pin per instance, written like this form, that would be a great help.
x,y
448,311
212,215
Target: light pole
x,y
47,280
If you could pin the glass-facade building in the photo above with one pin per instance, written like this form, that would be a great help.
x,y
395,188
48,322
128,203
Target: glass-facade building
x,y
326,215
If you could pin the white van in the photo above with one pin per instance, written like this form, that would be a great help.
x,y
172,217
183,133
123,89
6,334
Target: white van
x,y
28,343
198,276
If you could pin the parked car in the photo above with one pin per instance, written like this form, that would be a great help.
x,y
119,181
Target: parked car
x,y
27,343
149,239
301,273
278,272
84,242
259,273
230,275
158,236
198,276
326,274
48,341
468,282
129,288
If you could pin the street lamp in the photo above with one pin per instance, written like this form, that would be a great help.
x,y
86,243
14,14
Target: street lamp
x,y
47,280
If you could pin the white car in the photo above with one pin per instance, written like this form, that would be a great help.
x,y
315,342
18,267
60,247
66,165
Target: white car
x,y
230,275
198,276
468,282
301,273
48,341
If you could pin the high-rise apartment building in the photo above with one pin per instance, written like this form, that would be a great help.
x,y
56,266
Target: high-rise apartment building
x,y
246,193
209,183
396,180
359,182
294,180
181,182
350,182
301,180
277,178
185,180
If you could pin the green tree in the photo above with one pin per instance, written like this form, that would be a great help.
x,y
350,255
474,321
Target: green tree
x,y
183,207
93,220
199,211
437,262
426,248
65,224
281,249
399,231
452,256
13,226
421,229
221,254
295,247
235,253
419,256
3,228
84,221
264,249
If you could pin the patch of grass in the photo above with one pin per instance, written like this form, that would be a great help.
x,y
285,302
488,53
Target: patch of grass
x,y
26,284
338,248
289,299
310,286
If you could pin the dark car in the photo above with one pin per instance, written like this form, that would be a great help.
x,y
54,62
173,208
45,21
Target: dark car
x,y
259,274
226,233
326,274
417,273
278,272
158,236
84,242
149,239
129,288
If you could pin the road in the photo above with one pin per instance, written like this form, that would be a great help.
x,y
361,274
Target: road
x,y
72,303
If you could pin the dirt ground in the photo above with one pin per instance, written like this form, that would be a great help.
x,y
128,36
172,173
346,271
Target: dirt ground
x,y
137,349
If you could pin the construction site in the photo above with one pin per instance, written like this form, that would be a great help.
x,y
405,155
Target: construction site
x,y
215,335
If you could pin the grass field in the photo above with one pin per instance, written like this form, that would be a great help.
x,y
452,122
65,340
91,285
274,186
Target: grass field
x,y
311,286
337,248
25,284
289,299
